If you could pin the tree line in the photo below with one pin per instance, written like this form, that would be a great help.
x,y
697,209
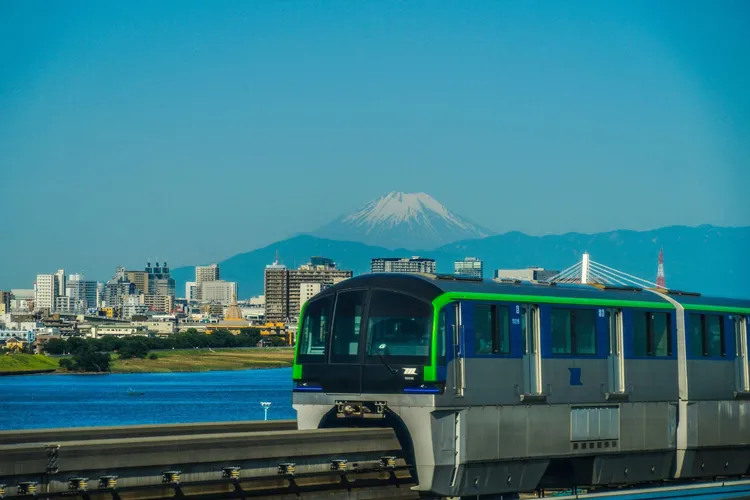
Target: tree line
x,y
93,355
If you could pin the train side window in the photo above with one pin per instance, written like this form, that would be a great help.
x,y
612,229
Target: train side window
x,y
573,331
584,331
484,329
491,329
662,345
652,334
503,329
696,329
715,336
640,334
562,333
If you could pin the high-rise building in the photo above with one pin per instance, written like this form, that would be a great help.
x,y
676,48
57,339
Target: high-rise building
x,y
219,292
402,265
140,279
470,266
276,286
283,286
203,274
45,291
60,275
528,274
191,291
159,280
82,293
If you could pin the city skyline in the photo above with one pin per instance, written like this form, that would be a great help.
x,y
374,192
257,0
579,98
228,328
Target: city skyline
x,y
548,108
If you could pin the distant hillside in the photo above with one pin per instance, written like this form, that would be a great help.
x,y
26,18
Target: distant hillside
x,y
711,260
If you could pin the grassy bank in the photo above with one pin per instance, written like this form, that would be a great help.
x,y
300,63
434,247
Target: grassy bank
x,y
201,360
19,363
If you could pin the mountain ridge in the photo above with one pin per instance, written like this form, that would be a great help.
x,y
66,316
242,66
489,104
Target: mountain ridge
x,y
708,259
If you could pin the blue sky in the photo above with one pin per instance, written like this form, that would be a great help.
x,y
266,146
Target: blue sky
x,y
191,131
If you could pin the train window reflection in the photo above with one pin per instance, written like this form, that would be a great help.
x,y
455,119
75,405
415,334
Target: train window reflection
x,y
398,326
315,325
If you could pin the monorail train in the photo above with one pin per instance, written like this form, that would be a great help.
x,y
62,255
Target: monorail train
x,y
497,387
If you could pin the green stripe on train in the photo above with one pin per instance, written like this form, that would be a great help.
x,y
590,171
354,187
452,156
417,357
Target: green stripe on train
x,y
296,367
724,309
430,371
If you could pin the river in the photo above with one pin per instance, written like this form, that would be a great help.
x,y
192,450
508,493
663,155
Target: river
x,y
49,401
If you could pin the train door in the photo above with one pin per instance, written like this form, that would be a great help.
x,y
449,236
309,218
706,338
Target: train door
x,y
459,354
345,367
616,361
742,368
532,361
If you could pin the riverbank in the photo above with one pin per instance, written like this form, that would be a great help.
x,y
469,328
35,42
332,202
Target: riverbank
x,y
177,360
12,364
203,360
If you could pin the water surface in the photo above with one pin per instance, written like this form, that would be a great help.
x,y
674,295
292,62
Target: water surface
x,y
41,401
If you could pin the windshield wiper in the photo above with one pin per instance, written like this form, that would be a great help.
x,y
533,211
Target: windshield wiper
x,y
385,363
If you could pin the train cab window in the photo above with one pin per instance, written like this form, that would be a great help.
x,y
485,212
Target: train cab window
x,y
314,331
652,334
707,336
347,319
491,329
573,331
398,328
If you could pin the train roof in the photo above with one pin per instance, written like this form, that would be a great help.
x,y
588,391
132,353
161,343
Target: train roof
x,y
431,286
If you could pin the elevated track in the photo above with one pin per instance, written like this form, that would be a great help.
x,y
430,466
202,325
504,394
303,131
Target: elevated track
x,y
233,460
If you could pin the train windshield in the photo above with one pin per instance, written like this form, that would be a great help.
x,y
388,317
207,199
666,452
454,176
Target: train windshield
x,y
398,328
314,332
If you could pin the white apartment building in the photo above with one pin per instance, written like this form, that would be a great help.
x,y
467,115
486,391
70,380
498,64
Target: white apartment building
x,y
402,265
218,292
45,291
191,291
205,274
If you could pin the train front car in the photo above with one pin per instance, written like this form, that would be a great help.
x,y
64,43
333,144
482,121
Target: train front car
x,y
370,353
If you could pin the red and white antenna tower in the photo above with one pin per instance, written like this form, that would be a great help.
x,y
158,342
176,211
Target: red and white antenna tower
x,y
660,272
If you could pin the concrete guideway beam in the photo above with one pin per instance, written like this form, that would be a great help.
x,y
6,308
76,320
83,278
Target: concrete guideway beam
x,y
143,461
133,431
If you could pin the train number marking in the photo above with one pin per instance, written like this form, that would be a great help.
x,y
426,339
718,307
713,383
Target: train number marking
x,y
410,371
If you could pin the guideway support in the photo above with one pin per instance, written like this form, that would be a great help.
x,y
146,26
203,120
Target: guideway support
x,y
233,465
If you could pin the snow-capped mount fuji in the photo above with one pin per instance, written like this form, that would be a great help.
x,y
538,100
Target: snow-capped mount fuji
x,y
414,221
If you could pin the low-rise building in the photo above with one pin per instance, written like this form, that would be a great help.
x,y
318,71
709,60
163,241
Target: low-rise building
x,y
528,274
100,331
414,264
470,266
157,327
